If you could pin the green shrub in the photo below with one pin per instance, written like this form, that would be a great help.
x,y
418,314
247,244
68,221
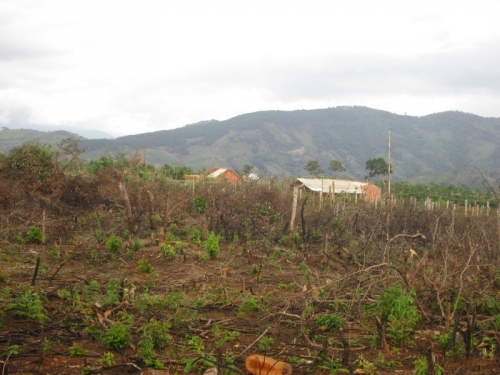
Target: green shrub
x,y
76,350
331,322
195,235
114,244
143,265
200,204
168,251
136,244
34,235
31,159
26,304
211,245
397,311
117,335
249,304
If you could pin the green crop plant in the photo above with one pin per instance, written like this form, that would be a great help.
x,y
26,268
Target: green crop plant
x,y
108,359
25,304
143,265
113,292
421,367
154,335
365,365
306,271
117,335
397,312
21,241
180,246
34,235
211,245
168,251
76,350
195,235
249,304
200,204
331,365
265,344
136,244
114,244
223,336
331,322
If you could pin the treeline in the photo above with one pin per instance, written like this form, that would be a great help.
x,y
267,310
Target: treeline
x,y
39,162
121,161
443,193
42,161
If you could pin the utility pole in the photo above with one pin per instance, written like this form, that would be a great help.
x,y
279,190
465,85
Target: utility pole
x,y
388,212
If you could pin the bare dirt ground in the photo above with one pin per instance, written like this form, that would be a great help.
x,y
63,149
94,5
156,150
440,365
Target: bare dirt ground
x,y
283,288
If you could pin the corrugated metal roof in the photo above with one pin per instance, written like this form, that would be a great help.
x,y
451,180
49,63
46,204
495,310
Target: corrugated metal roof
x,y
217,173
341,186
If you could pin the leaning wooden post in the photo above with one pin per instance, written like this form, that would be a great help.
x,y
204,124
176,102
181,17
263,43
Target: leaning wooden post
x,y
43,227
498,225
466,204
333,192
452,220
321,197
294,207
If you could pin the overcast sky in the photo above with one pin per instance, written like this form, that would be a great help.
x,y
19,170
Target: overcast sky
x,y
127,67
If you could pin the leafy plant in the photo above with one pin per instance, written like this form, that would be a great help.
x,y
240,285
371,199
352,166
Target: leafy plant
x,y
168,251
421,367
116,336
223,336
155,335
114,244
200,204
211,245
249,304
108,359
397,312
27,304
136,244
34,235
365,365
143,265
76,350
331,322
195,235
265,344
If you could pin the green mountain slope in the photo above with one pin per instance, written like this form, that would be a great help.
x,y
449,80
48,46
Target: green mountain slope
x,y
439,147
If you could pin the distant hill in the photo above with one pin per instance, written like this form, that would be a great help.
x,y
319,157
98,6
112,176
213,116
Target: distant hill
x,y
442,147
10,138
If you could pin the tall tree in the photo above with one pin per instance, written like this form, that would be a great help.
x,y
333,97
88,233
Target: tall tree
x,y
336,166
377,167
247,168
313,168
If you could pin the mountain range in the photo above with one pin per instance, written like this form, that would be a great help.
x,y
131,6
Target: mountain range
x,y
447,147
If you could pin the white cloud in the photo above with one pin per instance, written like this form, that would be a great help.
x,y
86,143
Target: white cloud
x,y
128,67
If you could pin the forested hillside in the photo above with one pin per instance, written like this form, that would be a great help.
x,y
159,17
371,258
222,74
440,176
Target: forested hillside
x,y
442,147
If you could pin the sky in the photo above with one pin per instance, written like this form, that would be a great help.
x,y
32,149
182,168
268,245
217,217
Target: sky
x,y
129,67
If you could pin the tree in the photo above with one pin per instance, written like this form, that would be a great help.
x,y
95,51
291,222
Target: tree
x,y
313,168
31,159
336,166
247,169
377,167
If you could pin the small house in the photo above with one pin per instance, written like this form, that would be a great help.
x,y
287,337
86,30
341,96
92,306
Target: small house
x,y
366,191
226,174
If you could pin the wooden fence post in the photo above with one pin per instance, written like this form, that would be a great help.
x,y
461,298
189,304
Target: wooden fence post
x,y
294,207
